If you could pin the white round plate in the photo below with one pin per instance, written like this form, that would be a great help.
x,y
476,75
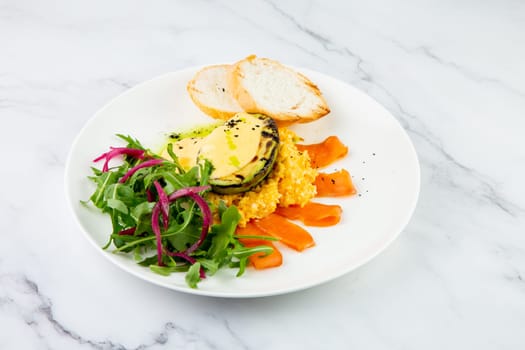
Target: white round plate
x,y
382,161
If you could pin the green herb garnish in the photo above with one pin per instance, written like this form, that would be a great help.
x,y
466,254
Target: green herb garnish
x,y
159,210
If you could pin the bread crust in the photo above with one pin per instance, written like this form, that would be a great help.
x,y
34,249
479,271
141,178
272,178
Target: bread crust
x,y
194,93
234,81
237,89
249,104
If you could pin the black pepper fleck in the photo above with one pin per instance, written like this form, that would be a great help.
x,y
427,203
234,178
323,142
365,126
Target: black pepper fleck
x,y
332,181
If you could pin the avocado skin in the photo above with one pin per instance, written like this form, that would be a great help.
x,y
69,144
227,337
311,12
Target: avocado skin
x,y
256,171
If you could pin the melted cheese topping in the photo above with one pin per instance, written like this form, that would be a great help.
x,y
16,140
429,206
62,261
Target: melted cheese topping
x,y
187,151
229,147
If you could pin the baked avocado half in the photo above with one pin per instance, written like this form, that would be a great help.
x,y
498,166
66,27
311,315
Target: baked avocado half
x,y
250,146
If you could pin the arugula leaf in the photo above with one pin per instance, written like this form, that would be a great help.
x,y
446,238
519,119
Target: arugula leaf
x,y
211,266
174,157
136,255
151,260
193,275
221,208
103,181
205,170
245,252
132,142
242,266
223,233
117,204
141,209
168,270
130,205
266,238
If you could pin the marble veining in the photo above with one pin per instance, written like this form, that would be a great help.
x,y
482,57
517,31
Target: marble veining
x,y
452,75
21,299
465,71
487,190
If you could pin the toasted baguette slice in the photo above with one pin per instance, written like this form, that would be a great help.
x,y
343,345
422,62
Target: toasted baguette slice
x,y
209,91
262,85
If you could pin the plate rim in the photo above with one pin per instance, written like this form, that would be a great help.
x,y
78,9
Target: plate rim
x,y
255,294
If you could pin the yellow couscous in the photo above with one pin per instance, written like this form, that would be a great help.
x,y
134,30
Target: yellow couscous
x,y
290,182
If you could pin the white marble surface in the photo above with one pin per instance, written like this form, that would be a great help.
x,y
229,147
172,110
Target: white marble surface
x,y
452,72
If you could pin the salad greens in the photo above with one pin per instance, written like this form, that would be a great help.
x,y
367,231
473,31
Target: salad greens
x,y
160,216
